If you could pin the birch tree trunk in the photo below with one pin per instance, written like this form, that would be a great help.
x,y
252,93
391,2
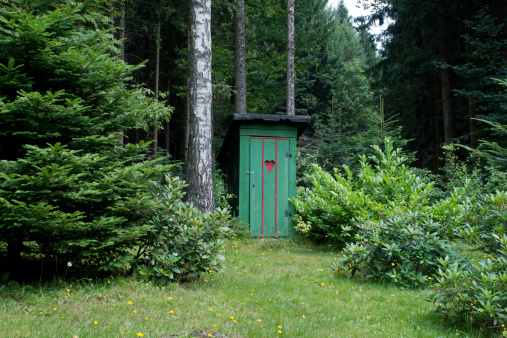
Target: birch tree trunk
x,y
291,108
240,57
198,157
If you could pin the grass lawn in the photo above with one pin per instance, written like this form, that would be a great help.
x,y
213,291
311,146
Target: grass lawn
x,y
269,289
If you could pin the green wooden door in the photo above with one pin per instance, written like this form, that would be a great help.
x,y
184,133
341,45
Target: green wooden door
x,y
269,186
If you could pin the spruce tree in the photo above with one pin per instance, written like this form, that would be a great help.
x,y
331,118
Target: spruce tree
x,y
67,189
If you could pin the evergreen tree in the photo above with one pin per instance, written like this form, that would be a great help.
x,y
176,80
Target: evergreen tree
x,y
67,190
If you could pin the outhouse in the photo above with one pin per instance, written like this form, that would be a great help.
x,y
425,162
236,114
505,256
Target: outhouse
x,y
258,157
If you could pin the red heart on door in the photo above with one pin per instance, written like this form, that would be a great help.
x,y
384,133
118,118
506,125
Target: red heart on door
x,y
269,165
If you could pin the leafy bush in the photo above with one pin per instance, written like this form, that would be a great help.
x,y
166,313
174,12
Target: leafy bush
x,y
451,212
487,222
404,250
334,204
474,293
390,183
329,208
183,242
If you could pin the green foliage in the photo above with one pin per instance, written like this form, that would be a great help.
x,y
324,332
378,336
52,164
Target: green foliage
x,y
183,242
65,184
486,222
485,61
386,216
237,229
87,208
404,250
457,174
330,206
384,185
475,293
453,210
494,154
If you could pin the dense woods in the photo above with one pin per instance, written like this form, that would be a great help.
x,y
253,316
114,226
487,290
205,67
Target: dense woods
x,y
329,51
432,76
439,65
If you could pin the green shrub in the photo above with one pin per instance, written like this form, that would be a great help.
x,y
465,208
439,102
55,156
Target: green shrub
x,y
474,293
84,208
390,183
404,249
334,204
487,221
329,208
453,211
183,242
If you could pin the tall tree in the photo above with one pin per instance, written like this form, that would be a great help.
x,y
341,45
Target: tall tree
x,y
438,61
65,184
240,57
198,164
157,78
119,25
291,46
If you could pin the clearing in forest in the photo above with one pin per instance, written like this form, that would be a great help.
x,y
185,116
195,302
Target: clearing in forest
x,y
270,288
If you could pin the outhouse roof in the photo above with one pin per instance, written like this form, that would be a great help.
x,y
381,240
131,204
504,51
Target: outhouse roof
x,y
300,121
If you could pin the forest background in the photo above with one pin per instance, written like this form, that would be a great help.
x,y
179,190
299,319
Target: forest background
x,y
433,75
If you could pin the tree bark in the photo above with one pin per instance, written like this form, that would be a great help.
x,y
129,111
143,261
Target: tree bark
x,y
240,57
198,164
437,128
474,140
121,29
291,108
448,114
169,74
154,145
120,35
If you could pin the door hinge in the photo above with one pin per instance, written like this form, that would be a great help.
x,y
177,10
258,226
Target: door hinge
x,y
287,154
287,213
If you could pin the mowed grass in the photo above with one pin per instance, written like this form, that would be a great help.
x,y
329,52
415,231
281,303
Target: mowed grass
x,y
270,288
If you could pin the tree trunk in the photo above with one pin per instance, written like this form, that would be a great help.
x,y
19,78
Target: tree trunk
x,y
474,137
437,127
198,164
121,30
474,140
291,108
448,114
169,74
240,57
120,35
154,145
14,249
